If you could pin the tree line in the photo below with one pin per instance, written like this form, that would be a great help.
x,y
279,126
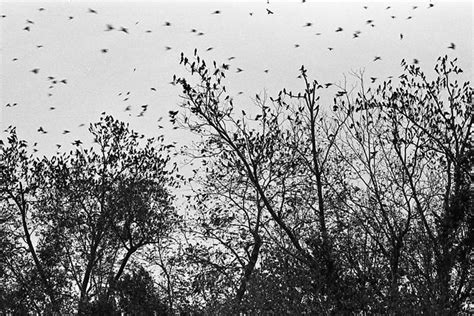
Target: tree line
x,y
296,207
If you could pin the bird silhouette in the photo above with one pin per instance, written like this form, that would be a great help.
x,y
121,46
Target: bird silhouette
x,y
297,45
308,24
167,47
30,22
210,48
369,21
269,11
35,71
373,79
239,70
356,34
153,89
41,130
452,46
430,5
339,29
167,24
401,36
416,61
39,46
77,142
26,28
216,12
71,17
231,58
266,71
377,58
123,29
15,59
92,11
41,9
128,108
104,50
110,27
330,48
66,132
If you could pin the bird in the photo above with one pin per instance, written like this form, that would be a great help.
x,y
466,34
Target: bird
x,y
356,34
330,48
269,11
452,46
387,8
148,31
416,61
41,9
409,18
64,81
308,24
365,7
35,71
415,7
26,28
373,79
250,13
167,47
123,29
297,45
393,16
430,5
3,16
153,89
377,58
110,27
216,12
369,21
339,29
401,36
128,108
319,33
66,132
30,22
41,129
167,24
231,58
210,48
92,11
239,70
39,46
104,50
15,59
71,17
77,142
266,71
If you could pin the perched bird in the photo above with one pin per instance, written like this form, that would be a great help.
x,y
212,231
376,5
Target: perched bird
x,y
35,71
92,11
452,46
339,29
377,58
269,12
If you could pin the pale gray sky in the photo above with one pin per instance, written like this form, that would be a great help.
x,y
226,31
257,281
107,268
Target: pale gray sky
x,y
139,60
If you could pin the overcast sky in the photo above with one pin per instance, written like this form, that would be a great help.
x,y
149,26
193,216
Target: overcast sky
x,y
64,40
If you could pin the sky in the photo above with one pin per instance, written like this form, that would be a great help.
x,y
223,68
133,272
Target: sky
x,y
64,40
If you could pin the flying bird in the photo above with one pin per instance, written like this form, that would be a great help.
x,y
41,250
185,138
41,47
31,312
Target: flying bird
x,y
92,11
71,17
167,47
66,132
308,24
339,29
401,36
269,12
216,12
373,79
356,34
330,48
452,46
416,61
26,28
153,89
123,29
41,129
265,71
110,27
39,46
210,48
167,24
41,9
430,5
64,81
30,22
35,71
239,70
377,58
104,50
297,45
77,142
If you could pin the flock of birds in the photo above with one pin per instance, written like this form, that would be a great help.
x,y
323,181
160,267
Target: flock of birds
x,y
55,82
